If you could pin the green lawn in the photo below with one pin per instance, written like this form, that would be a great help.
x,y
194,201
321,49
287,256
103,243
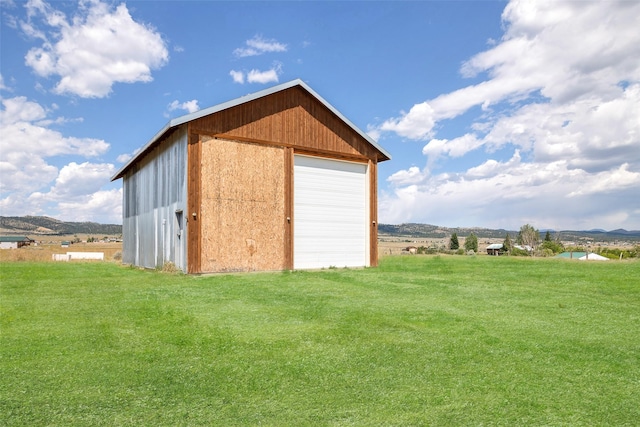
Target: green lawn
x,y
418,341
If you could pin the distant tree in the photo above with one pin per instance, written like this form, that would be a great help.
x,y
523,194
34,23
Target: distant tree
x,y
547,237
453,242
507,244
519,252
552,247
471,243
528,236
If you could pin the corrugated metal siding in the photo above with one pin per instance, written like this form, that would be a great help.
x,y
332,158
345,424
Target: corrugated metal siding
x,y
154,206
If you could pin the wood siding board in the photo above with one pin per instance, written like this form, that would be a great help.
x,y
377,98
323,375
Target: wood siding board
x,y
288,201
289,118
331,155
263,104
373,213
194,234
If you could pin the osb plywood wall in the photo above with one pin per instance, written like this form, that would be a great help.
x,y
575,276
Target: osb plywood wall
x,y
242,210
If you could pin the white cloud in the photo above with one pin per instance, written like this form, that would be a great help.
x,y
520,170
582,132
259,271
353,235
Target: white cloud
x,y
103,206
30,184
609,181
257,76
189,106
93,50
509,194
77,194
26,142
124,158
456,147
561,89
23,172
271,75
407,177
492,167
258,45
77,180
18,109
551,57
417,123
237,76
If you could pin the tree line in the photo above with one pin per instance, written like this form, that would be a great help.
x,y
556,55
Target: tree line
x,y
527,242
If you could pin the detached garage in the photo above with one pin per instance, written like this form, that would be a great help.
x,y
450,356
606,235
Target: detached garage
x,y
275,180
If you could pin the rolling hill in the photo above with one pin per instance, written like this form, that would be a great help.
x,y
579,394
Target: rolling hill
x,y
434,231
43,225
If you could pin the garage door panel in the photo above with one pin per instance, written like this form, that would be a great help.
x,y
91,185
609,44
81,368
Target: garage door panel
x,y
330,213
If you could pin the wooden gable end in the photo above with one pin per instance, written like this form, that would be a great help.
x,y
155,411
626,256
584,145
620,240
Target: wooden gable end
x,y
289,118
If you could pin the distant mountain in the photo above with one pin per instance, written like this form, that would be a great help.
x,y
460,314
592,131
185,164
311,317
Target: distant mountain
x,y
434,231
618,234
622,231
43,225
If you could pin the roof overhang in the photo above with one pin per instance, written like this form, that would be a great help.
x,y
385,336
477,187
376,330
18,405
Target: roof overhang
x,y
174,123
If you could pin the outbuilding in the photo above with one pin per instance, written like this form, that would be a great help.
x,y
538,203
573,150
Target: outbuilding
x,y
582,256
14,242
495,249
275,180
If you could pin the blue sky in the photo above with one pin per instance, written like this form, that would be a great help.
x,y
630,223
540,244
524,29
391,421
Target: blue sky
x,y
497,114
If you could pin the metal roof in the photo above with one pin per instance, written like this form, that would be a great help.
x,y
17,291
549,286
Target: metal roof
x,y
238,101
495,246
575,254
582,256
14,239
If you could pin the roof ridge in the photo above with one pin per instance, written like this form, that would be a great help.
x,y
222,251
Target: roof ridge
x,y
239,101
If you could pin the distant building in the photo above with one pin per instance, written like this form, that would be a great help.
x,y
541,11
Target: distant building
x,y
593,257
14,242
495,249
582,256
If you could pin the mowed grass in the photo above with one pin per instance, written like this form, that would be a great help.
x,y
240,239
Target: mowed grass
x,y
417,341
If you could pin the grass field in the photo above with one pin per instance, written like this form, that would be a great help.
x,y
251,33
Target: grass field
x,y
418,341
43,251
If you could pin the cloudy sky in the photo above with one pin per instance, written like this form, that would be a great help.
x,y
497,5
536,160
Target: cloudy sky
x,y
496,114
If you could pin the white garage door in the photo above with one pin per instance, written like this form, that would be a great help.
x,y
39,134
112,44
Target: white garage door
x,y
330,213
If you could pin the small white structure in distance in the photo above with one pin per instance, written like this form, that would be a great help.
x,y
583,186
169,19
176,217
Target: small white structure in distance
x,y
69,256
593,257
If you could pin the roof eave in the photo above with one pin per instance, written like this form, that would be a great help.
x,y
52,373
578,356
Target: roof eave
x,y
387,155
